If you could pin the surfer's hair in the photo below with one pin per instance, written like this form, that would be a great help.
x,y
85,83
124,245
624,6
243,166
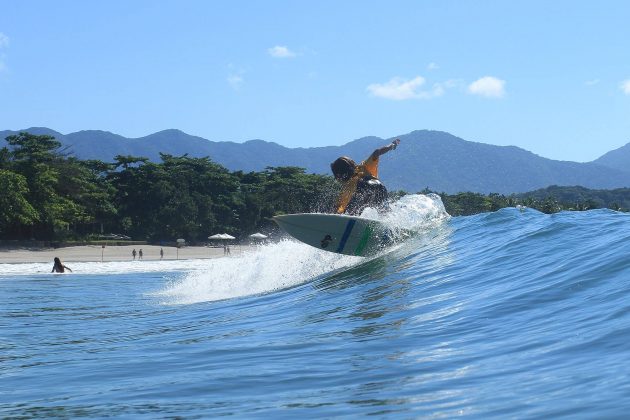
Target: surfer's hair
x,y
343,168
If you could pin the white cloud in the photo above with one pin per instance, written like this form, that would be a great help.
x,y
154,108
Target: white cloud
x,y
592,82
235,81
433,66
280,51
488,86
4,40
625,86
399,89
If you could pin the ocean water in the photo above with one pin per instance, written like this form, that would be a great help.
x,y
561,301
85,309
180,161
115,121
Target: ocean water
x,y
507,314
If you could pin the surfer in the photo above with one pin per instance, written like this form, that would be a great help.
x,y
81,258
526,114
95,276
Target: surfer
x,y
58,267
361,187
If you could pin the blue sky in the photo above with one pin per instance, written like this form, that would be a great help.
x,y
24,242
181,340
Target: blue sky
x,y
552,77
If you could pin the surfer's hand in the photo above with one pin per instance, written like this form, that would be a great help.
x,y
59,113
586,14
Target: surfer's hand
x,y
395,144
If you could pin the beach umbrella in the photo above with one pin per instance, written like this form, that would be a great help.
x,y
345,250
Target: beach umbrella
x,y
222,237
258,235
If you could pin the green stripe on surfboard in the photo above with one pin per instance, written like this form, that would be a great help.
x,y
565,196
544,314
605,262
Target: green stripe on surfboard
x,y
364,240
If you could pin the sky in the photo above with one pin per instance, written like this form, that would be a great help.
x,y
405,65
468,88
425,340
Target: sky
x,y
551,77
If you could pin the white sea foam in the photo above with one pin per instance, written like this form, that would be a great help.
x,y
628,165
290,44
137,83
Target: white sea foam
x,y
271,267
290,263
412,212
113,267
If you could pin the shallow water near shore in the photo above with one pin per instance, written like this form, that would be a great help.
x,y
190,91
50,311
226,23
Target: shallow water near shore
x,y
507,314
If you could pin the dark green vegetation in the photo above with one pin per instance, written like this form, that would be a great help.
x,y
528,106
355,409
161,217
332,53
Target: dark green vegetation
x,y
425,158
47,195
547,200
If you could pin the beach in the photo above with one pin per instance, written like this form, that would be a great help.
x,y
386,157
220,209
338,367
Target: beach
x,y
99,253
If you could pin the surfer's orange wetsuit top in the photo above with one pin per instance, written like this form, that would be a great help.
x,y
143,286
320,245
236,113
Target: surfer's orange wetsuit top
x,y
366,168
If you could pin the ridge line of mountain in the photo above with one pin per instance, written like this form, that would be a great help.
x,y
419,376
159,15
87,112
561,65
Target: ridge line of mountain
x,y
427,158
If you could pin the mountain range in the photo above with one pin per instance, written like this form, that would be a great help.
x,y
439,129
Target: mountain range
x,y
425,159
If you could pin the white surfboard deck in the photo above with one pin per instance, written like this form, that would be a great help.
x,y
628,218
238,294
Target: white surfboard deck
x,y
339,233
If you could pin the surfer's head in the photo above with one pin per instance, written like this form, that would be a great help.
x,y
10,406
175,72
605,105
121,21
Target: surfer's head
x,y
343,168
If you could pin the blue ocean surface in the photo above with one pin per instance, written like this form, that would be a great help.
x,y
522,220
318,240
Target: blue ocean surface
x,y
513,314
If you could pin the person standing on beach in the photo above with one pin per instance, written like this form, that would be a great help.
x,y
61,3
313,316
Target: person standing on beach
x,y
134,253
161,253
58,267
140,254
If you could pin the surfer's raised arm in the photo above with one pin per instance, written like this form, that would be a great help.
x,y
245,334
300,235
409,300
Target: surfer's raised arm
x,y
382,150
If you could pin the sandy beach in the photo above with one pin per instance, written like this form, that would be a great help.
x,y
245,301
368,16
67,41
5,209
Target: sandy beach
x,y
113,253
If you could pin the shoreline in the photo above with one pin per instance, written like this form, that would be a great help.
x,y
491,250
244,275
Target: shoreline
x,y
110,253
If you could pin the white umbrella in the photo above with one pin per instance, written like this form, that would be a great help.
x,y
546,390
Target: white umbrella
x,y
221,236
258,235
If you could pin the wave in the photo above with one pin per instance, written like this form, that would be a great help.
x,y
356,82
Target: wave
x,y
290,263
505,314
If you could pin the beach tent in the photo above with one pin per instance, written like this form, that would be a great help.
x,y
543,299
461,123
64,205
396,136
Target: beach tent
x,y
257,238
258,235
222,237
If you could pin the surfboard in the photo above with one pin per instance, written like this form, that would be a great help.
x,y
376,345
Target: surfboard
x,y
340,233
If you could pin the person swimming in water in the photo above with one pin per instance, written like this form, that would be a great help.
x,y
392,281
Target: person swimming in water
x,y
361,187
58,267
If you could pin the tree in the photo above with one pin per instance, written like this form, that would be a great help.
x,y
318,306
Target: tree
x,y
32,157
64,192
85,185
292,191
15,209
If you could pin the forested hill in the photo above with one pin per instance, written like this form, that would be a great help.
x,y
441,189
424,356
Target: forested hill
x,y
425,159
